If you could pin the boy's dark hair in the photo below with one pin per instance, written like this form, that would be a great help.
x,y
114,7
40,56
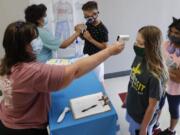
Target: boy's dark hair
x,y
35,12
16,38
175,24
90,5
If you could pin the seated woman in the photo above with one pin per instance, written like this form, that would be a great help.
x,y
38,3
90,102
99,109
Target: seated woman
x,y
26,84
36,14
147,82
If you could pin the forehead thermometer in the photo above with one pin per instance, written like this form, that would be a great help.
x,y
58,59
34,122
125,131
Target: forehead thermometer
x,y
123,37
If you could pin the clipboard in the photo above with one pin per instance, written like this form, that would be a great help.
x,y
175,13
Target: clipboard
x,y
88,105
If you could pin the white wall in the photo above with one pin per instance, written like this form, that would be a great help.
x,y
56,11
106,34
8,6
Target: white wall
x,y
10,11
120,16
127,16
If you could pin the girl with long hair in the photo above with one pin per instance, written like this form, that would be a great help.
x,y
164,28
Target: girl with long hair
x,y
147,81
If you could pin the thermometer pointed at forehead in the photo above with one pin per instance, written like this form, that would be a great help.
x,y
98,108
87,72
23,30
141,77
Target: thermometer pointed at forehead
x,y
123,37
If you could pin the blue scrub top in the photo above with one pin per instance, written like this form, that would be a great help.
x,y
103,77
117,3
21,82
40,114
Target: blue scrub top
x,y
50,44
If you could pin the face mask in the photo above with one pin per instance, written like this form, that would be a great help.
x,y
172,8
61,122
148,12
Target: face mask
x,y
91,19
174,39
37,45
45,21
139,51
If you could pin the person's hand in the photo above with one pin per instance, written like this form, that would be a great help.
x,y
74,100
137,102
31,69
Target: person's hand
x,y
80,28
87,35
77,29
174,75
116,47
143,131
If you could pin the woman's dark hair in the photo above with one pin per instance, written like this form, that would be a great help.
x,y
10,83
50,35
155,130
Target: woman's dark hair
x,y
90,5
175,24
16,43
35,12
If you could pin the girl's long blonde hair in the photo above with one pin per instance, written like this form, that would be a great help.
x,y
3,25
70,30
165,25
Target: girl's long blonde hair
x,y
153,52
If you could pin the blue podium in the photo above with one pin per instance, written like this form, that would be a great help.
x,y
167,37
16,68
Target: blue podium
x,y
100,124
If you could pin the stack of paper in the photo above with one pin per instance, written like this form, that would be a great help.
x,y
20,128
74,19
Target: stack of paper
x,y
88,105
59,62
64,61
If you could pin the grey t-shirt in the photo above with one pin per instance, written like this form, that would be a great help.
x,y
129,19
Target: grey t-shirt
x,y
142,86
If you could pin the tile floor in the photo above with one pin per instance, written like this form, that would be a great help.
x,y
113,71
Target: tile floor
x,y
115,86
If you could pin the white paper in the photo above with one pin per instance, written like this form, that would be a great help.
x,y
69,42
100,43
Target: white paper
x,y
81,103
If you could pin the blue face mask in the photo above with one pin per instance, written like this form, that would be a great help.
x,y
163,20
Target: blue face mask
x,y
45,21
91,20
37,45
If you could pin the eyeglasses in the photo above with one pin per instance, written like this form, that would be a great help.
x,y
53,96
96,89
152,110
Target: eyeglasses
x,y
94,14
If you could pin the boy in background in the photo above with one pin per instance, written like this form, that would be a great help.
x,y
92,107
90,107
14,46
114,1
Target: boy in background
x,y
96,35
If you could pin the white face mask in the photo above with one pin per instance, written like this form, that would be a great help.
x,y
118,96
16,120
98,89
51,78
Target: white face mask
x,y
45,21
37,45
